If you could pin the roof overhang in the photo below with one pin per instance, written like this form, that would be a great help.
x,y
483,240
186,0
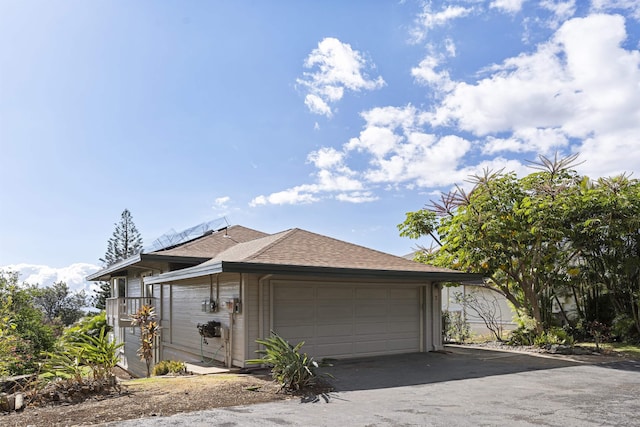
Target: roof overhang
x,y
262,268
138,261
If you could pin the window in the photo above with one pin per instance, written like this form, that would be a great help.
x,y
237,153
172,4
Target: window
x,y
120,287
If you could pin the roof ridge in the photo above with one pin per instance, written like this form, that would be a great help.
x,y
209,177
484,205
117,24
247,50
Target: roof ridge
x,y
285,235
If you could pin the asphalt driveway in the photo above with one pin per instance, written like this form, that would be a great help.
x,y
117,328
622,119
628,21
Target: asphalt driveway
x,y
459,387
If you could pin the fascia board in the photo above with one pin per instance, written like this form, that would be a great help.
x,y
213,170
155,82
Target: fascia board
x,y
185,273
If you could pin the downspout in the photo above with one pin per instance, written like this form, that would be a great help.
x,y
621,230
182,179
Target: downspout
x,y
437,311
230,339
232,318
217,296
210,290
217,292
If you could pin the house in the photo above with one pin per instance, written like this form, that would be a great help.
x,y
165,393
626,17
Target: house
x,y
493,306
237,284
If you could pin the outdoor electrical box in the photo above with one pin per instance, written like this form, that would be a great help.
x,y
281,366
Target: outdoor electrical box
x,y
208,306
234,305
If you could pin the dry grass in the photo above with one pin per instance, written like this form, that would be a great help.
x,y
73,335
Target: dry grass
x,y
156,396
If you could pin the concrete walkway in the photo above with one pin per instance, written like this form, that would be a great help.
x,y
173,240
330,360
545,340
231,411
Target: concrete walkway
x,y
461,387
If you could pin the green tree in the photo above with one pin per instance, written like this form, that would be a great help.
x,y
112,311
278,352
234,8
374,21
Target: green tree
x,y
7,337
605,225
508,229
58,302
24,331
125,242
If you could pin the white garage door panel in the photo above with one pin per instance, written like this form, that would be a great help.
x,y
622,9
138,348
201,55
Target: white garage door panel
x,y
334,313
331,350
348,320
372,293
335,330
334,292
402,293
371,310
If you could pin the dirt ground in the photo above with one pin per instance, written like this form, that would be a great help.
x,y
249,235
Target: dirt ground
x,y
158,396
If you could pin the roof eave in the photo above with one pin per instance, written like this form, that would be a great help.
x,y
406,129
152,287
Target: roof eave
x,y
262,268
106,273
185,273
436,276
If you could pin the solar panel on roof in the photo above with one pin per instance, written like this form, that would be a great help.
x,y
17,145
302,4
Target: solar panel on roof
x,y
173,238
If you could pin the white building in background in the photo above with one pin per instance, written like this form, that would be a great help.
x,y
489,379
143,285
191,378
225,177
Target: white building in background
x,y
498,304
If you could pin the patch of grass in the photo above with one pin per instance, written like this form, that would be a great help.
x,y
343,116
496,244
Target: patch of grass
x,y
629,350
179,380
484,338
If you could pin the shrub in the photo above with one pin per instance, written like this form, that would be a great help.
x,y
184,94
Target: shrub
x,y
165,367
525,333
88,325
456,327
552,337
522,336
291,369
95,356
624,328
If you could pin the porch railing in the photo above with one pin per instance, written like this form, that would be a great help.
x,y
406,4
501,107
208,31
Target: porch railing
x,y
119,310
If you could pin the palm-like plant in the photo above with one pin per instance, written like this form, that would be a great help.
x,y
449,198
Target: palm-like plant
x,y
149,331
293,370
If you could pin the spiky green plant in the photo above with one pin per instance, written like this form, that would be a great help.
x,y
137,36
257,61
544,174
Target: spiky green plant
x,y
67,364
89,355
100,354
293,370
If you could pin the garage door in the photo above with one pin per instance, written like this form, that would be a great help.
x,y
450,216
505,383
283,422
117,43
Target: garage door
x,y
348,320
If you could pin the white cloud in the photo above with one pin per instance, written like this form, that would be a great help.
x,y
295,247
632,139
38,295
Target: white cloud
x,y
541,141
43,275
336,67
428,20
326,157
450,47
221,201
580,85
509,6
357,197
631,6
332,176
221,205
561,10
578,91
398,149
301,194
317,106
425,73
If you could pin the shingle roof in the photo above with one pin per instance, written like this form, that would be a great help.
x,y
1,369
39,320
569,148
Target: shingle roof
x,y
211,245
293,251
296,247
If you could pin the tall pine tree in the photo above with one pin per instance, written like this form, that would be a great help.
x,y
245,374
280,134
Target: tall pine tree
x,y
125,242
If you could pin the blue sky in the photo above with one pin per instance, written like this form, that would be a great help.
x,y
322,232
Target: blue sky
x,y
336,117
